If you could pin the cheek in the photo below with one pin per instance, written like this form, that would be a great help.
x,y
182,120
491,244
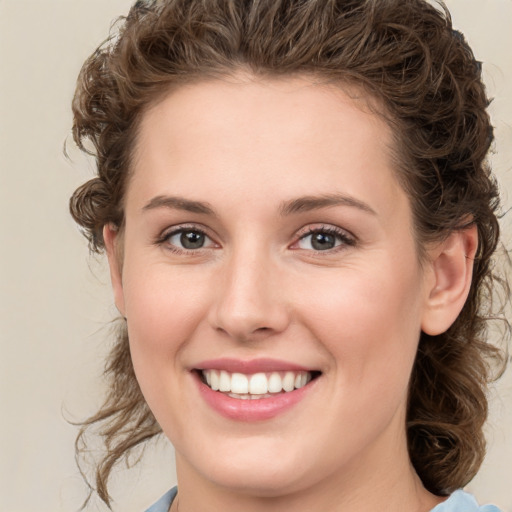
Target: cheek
x,y
163,308
369,322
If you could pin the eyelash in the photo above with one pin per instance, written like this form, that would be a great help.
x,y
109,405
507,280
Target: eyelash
x,y
166,236
341,235
346,239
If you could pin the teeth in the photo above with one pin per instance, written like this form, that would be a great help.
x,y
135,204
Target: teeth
x,y
224,381
275,383
248,396
214,380
289,381
257,385
239,384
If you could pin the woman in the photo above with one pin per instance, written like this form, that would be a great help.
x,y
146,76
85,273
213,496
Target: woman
x,y
299,222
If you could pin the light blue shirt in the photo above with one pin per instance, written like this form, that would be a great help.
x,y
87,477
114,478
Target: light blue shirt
x,y
163,504
459,501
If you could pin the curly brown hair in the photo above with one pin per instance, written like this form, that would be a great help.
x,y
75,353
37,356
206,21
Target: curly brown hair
x,y
405,54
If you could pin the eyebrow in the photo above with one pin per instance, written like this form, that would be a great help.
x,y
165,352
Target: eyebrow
x,y
179,203
299,205
308,203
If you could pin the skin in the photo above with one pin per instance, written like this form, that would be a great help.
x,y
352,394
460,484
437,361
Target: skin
x,y
258,288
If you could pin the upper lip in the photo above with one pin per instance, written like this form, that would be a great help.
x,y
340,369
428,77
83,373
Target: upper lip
x,y
250,367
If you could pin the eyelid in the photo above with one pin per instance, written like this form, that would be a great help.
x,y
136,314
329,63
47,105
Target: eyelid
x,y
347,238
167,233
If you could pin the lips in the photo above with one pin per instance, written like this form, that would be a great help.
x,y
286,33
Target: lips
x,y
253,390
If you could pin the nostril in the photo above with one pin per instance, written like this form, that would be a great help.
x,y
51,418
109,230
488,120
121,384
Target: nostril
x,y
246,335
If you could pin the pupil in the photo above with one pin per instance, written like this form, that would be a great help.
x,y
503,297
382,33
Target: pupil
x,y
323,241
192,240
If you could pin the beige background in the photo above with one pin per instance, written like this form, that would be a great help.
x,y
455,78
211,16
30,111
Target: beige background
x,y
55,302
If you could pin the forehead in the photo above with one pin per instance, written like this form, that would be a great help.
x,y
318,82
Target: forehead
x,y
264,136
251,102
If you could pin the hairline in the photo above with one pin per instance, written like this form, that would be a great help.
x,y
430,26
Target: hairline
x,y
355,87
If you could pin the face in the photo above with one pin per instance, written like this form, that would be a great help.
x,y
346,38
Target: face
x,y
268,251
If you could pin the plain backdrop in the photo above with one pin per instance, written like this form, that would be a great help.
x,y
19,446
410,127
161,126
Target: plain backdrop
x,y
55,301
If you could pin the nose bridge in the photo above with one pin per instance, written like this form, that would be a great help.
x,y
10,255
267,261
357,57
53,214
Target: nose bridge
x,y
248,301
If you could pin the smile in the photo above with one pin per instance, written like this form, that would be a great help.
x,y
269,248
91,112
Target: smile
x,y
255,390
257,385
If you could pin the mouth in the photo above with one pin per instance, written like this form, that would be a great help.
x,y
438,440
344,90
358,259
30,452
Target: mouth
x,y
256,386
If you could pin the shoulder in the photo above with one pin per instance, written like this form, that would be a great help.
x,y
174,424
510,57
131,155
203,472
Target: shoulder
x,y
163,504
461,501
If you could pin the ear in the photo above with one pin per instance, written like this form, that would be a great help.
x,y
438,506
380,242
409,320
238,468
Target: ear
x,y
449,281
112,240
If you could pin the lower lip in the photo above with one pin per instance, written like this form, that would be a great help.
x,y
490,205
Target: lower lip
x,y
252,410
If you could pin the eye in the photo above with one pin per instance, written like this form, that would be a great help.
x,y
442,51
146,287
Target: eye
x,y
187,239
324,239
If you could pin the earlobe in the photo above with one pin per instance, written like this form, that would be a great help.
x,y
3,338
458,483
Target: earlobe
x,y
450,280
111,239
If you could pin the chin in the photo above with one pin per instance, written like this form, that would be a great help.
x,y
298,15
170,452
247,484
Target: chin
x,y
262,482
258,472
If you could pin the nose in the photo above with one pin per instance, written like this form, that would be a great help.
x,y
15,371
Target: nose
x,y
249,303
